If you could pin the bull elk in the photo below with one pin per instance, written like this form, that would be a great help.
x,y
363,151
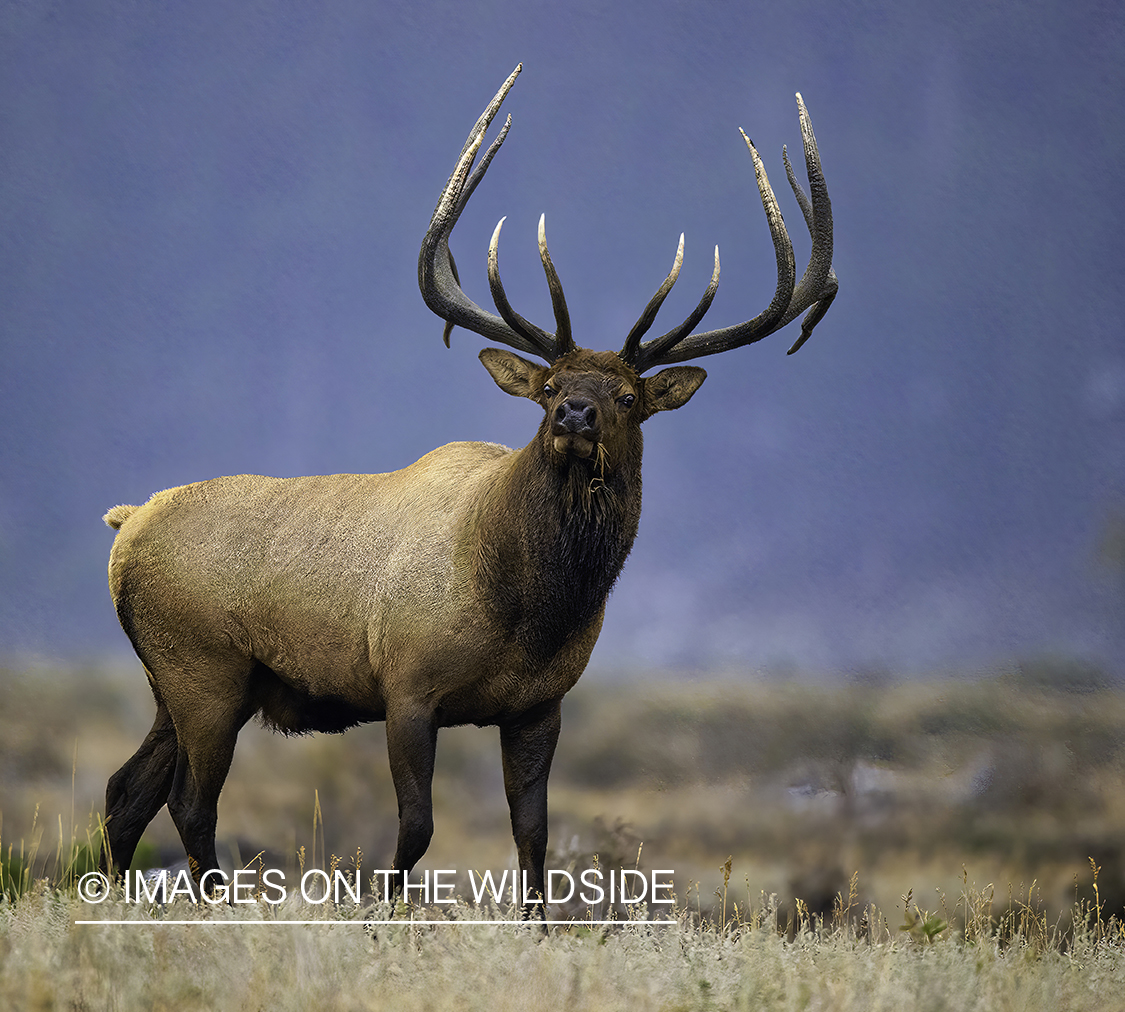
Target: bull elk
x,y
466,588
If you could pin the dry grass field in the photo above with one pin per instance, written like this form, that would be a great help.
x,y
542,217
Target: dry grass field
x,y
871,845
47,962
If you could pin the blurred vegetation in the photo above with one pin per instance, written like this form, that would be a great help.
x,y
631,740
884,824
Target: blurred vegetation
x,y
1018,777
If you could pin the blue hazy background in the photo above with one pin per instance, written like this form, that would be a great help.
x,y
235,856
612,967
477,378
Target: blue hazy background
x,y
209,226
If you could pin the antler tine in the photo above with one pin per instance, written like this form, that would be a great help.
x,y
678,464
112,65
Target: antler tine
x,y
448,329
564,340
648,317
798,191
819,284
437,275
815,291
540,340
654,351
460,185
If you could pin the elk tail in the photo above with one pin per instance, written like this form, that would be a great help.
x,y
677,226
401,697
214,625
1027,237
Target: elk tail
x,y
118,515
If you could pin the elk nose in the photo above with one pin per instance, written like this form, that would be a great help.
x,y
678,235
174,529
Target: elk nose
x,y
575,415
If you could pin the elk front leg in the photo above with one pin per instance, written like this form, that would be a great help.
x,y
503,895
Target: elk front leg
x,y
528,746
411,743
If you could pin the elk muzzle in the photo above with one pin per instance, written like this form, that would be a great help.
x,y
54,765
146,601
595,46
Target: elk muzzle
x,y
576,427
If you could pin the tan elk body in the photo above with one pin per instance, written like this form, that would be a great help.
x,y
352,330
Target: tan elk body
x,y
468,587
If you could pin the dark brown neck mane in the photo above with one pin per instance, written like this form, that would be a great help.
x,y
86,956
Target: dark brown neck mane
x,y
554,537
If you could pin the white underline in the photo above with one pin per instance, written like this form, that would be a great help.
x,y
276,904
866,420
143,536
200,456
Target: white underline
x,y
399,923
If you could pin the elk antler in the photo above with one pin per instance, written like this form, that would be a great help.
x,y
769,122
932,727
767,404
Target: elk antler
x,y
437,273
815,291
441,289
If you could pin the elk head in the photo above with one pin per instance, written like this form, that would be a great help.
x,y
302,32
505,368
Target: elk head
x,y
585,392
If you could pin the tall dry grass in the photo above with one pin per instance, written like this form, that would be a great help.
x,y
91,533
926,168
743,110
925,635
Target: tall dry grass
x,y
219,960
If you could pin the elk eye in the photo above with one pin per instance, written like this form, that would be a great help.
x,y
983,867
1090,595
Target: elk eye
x,y
548,390
627,401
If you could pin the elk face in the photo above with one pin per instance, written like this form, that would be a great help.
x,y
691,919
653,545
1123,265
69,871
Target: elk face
x,y
594,402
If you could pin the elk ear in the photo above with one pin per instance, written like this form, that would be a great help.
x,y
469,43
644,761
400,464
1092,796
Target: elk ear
x,y
514,375
672,388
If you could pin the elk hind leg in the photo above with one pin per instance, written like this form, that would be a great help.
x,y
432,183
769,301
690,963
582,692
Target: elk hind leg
x,y
207,733
411,744
137,791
